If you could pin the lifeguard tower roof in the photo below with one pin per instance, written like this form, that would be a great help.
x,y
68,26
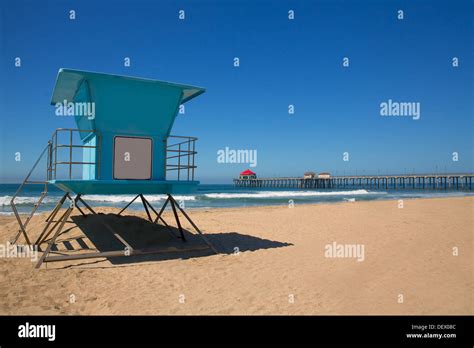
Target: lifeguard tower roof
x,y
69,81
123,103
132,118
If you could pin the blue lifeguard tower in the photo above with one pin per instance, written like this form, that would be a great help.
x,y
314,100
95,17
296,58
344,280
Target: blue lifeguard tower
x,y
126,149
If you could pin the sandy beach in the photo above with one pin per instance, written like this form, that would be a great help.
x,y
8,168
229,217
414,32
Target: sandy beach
x,y
272,260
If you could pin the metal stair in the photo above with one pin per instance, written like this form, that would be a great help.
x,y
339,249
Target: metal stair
x,y
23,224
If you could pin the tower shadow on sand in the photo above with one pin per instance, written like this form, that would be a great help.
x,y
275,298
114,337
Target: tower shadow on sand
x,y
140,233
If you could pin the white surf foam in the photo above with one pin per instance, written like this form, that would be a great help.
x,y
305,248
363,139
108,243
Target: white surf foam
x,y
5,200
277,194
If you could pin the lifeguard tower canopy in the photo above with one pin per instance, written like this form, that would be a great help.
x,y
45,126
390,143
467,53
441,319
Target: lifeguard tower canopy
x,y
126,147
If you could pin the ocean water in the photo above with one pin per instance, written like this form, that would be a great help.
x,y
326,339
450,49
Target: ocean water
x,y
218,196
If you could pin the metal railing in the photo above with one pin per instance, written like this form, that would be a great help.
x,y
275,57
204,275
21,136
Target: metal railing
x,y
53,152
180,151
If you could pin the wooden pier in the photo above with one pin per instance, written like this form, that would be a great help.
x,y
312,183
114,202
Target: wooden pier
x,y
384,182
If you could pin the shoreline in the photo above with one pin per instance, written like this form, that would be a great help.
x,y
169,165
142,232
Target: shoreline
x,y
199,209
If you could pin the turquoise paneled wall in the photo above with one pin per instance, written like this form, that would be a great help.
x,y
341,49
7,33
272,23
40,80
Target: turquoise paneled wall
x,y
89,155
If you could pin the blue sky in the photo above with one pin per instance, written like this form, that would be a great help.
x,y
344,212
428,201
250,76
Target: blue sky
x,y
282,62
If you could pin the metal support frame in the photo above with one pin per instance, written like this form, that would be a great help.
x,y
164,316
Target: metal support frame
x,y
194,225
58,226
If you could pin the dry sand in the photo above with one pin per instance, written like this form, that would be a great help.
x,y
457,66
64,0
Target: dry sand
x,y
281,267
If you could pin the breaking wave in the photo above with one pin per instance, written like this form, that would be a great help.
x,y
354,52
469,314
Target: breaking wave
x,y
28,200
278,194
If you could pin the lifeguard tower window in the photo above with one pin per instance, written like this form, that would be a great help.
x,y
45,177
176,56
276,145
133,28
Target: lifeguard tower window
x,y
132,158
